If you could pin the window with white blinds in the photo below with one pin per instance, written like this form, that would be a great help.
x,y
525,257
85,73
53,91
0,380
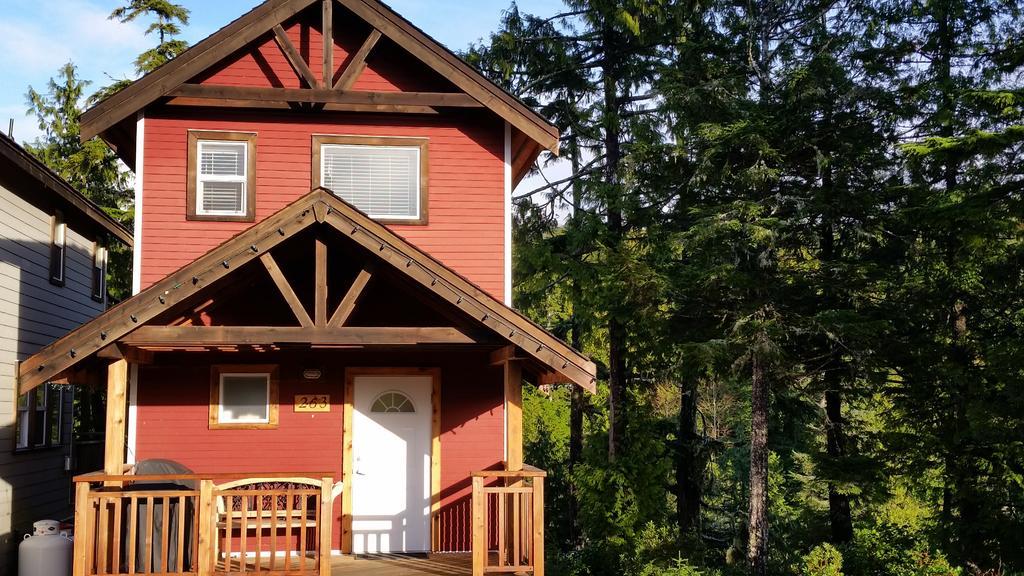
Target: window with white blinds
x,y
383,181
222,178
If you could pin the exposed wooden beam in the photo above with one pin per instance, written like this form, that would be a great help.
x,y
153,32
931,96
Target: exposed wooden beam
x,y
328,36
453,68
358,63
226,41
286,290
348,303
513,377
117,401
505,354
466,297
321,284
293,56
124,352
271,105
200,336
325,96
165,294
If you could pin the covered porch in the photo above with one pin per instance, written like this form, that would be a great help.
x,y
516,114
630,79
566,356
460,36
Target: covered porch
x,y
320,302
245,526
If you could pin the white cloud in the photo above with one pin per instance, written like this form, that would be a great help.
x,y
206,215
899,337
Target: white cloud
x,y
40,36
37,38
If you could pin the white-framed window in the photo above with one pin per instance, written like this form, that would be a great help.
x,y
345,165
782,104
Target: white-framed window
x,y
99,272
221,176
39,422
58,248
244,396
384,177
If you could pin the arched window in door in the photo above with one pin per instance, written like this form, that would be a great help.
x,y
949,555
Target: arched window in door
x,y
392,402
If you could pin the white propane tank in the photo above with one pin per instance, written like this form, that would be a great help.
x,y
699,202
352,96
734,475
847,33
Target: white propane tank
x,y
46,553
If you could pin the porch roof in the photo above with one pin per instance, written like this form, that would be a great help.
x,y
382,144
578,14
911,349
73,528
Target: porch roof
x,y
133,324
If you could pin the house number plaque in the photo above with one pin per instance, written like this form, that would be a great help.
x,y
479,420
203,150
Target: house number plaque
x,y
312,402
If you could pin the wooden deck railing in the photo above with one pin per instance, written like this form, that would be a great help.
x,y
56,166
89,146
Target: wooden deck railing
x,y
508,521
218,525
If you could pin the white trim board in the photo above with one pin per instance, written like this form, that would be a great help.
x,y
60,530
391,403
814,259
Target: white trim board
x,y
508,214
133,412
140,148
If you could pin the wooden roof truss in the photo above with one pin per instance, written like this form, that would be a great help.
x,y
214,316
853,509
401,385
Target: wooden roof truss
x,y
172,83
125,330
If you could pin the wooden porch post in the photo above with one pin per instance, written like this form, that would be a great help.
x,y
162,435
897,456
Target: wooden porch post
x,y
117,400
513,414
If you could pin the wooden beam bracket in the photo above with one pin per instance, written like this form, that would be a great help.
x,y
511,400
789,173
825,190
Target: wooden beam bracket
x,y
358,63
348,303
293,56
286,290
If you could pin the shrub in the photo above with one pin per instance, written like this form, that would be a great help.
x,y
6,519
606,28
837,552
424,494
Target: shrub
x,y
823,560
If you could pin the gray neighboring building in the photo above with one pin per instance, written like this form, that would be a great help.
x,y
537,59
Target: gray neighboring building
x,y
53,248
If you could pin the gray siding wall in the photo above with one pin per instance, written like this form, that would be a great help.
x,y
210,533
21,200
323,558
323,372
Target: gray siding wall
x,y
33,313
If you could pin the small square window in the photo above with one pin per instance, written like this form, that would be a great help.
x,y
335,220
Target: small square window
x,y
243,397
221,176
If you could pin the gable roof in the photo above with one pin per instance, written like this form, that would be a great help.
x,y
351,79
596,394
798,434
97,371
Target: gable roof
x,y
262,19
63,195
318,208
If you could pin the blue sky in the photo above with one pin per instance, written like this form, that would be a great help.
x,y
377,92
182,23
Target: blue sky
x,y
38,36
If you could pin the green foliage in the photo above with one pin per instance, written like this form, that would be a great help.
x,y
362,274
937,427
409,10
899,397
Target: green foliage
x,y
90,167
677,567
823,560
169,19
891,550
832,189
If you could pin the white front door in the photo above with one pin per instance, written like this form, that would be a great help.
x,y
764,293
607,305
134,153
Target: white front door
x,y
391,429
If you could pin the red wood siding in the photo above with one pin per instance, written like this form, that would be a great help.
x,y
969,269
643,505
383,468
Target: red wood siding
x,y
173,423
465,190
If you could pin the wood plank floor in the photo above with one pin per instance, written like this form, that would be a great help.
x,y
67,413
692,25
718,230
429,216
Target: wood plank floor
x,y
402,565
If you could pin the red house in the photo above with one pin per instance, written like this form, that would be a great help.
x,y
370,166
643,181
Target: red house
x,y
321,335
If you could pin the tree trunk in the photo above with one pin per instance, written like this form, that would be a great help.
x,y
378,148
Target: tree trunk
x,y
689,461
578,399
613,156
757,545
577,404
839,514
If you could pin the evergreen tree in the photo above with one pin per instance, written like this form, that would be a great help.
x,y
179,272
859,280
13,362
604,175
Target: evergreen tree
x,y
91,167
170,17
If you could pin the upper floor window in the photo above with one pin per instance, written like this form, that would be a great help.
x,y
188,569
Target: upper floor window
x,y
39,421
221,176
99,272
384,177
58,248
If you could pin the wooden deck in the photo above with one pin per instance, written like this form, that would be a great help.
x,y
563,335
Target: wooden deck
x,y
402,565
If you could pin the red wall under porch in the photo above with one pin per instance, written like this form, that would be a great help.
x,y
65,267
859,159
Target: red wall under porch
x,y
466,210
173,422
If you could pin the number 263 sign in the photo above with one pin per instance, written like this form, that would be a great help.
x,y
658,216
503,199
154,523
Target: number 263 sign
x,y
312,402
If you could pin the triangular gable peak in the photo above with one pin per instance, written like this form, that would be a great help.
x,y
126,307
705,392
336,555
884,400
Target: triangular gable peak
x,y
274,57
192,308
363,60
